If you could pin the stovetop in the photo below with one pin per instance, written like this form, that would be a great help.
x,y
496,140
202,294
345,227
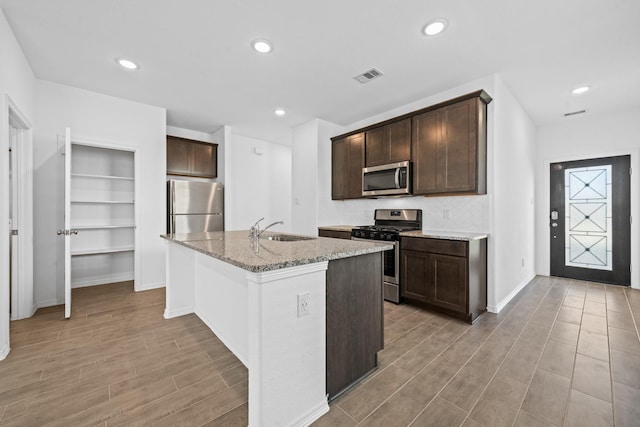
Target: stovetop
x,y
389,224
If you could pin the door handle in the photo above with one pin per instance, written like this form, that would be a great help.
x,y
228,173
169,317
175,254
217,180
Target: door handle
x,y
67,232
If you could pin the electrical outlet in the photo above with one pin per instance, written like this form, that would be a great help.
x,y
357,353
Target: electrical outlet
x,y
303,304
445,213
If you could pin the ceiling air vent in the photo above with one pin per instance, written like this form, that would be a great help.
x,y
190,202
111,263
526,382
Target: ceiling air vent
x,y
367,76
574,113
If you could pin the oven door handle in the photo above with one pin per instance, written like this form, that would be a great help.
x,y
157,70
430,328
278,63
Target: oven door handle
x,y
390,242
397,177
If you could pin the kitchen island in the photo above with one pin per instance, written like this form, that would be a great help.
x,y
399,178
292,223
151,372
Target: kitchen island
x,y
295,312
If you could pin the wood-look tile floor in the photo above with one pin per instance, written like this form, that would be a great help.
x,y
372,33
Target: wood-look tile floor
x,y
561,353
118,362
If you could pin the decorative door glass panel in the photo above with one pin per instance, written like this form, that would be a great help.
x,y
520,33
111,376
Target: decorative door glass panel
x,y
588,223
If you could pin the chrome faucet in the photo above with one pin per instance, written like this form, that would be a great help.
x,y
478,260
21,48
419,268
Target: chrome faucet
x,y
255,232
269,226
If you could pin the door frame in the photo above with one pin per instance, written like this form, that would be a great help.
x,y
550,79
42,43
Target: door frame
x,y
543,207
137,155
618,200
24,167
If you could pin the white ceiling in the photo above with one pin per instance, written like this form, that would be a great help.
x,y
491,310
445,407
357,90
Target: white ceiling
x,y
196,59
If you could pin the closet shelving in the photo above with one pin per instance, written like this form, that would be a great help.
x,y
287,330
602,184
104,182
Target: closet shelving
x,y
103,213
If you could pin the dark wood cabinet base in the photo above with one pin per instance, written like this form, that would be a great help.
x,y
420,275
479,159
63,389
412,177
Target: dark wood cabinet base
x,y
467,317
354,320
446,276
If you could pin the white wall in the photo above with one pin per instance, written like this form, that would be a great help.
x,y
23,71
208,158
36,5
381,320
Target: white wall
x,y
93,116
256,185
17,82
470,213
512,184
311,166
304,158
586,137
505,212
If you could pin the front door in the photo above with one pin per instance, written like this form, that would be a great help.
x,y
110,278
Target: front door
x,y
590,220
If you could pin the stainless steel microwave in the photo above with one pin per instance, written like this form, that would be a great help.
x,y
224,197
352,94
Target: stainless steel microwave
x,y
387,180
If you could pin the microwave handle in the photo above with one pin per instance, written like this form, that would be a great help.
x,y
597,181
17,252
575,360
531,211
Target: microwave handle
x,y
397,177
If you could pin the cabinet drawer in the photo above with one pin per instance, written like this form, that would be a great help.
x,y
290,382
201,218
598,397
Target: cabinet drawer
x,y
438,246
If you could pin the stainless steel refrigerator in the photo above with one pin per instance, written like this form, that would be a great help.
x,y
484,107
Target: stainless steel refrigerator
x,y
194,207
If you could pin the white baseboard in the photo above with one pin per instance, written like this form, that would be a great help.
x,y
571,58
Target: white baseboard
x,y
4,351
103,281
34,307
497,308
312,415
177,313
48,303
221,337
149,286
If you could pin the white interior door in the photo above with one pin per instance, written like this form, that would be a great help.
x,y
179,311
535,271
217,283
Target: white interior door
x,y
67,223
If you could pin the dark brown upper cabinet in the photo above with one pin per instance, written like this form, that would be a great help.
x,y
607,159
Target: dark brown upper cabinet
x,y
446,142
347,161
187,157
388,144
449,149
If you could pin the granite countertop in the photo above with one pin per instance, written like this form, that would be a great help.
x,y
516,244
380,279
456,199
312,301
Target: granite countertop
x,y
235,247
336,227
445,235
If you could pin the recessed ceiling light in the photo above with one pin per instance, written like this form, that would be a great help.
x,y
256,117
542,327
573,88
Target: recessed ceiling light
x,y
125,63
279,112
581,89
435,27
262,46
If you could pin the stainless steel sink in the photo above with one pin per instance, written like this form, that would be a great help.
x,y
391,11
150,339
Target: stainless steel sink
x,y
286,237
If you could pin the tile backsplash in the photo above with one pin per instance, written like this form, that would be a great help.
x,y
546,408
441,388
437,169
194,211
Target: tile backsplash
x,y
457,213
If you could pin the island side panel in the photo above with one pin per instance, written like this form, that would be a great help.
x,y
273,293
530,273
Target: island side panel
x,y
221,300
287,352
180,287
355,330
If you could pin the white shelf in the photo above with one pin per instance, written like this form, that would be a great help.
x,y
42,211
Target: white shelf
x,y
102,227
102,251
112,177
102,202
103,211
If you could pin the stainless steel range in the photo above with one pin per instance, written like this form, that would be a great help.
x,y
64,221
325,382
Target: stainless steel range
x,y
389,223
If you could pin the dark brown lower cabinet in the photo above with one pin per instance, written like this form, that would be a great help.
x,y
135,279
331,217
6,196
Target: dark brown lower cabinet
x,y
336,234
448,276
354,320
